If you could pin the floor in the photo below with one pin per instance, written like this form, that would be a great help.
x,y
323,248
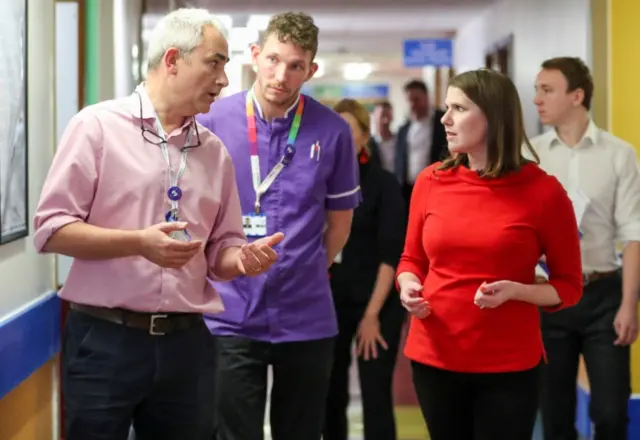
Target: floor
x,y
409,421
410,424
408,418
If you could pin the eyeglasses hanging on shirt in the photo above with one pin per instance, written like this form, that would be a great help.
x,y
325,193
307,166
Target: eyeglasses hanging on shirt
x,y
155,139
174,192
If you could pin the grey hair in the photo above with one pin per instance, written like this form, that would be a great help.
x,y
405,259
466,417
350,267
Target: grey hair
x,y
182,29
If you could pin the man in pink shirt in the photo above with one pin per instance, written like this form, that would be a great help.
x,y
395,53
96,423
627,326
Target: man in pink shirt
x,y
145,201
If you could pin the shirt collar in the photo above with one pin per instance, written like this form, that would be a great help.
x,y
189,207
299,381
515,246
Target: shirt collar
x,y
424,120
591,136
142,107
259,109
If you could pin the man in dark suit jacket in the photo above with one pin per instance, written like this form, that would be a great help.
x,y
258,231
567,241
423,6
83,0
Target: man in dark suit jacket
x,y
420,142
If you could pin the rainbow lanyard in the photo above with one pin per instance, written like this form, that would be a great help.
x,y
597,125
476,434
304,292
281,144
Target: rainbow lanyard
x,y
261,186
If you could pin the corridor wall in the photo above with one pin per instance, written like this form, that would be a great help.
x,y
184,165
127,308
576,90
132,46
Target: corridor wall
x,y
540,29
615,64
29,313
624,107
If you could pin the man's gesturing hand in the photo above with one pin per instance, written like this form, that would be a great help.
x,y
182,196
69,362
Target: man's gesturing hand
x,y
259,256
158,247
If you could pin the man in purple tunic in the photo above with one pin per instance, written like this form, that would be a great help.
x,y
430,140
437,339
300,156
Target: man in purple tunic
x,y
296,172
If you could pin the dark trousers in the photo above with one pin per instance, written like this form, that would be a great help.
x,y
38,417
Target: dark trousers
x,y
300,380
376,375
477,406
586,329
115,376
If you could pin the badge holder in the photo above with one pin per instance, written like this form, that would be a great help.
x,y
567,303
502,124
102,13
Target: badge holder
x,y
181,235
172,216
254,224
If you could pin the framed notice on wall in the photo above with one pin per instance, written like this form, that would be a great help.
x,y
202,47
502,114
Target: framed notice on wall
x,y
13,121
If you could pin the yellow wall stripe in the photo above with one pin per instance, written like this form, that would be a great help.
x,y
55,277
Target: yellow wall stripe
x,y
26,413
624,95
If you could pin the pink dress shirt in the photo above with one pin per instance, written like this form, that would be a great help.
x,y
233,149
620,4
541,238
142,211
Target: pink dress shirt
x,y
105,174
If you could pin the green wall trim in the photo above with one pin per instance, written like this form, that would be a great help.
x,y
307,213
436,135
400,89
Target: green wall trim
x,y
92,52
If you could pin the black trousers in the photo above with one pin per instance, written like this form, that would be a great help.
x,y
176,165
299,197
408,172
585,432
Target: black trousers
x,y
376,375
586,329
115,376
477,406
300,381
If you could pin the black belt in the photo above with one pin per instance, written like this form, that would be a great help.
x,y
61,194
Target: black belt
x,y
157,324
595,276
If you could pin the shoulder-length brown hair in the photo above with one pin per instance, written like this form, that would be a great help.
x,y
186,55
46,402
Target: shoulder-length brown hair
x,y
498,99
360,113
357,110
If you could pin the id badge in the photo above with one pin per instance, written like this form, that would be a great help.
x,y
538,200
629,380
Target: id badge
x,y
254,225
182,235
542,270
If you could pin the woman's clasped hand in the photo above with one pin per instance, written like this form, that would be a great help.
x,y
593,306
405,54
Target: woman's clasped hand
x,y
488,296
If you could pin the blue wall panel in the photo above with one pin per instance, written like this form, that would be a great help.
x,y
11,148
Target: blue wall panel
x,y
28,340
583,422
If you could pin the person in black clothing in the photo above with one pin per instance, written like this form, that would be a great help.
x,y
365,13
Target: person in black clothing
x,y
367,306
420,142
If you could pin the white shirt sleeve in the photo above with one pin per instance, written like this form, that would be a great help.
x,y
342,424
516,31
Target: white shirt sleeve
x,y
627,202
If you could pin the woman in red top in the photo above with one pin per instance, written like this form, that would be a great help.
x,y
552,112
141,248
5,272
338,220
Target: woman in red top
x,y
478,224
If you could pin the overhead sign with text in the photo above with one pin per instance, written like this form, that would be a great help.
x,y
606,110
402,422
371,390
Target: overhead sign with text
x,y
428,52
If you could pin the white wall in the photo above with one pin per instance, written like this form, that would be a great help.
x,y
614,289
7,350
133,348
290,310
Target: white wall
x,y
541,29
24,274
126,28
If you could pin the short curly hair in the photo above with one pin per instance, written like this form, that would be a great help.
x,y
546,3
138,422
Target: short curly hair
x,y
295,27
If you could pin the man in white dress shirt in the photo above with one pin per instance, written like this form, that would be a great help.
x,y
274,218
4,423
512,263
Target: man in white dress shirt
x,y
600,174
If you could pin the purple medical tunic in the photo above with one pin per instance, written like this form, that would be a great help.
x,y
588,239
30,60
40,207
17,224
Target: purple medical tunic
x,y
292,301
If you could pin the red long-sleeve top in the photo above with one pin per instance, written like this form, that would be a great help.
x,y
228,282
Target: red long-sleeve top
x,y
465,230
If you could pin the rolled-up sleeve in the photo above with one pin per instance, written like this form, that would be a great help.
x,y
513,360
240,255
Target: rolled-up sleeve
x,y
227,230
68,191
343,187
561,246
627,203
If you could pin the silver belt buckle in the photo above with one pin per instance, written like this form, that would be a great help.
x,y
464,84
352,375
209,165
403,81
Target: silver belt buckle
x,y
152,325
585,279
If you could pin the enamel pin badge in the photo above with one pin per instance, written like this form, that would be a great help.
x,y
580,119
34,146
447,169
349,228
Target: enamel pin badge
x,y
314,152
